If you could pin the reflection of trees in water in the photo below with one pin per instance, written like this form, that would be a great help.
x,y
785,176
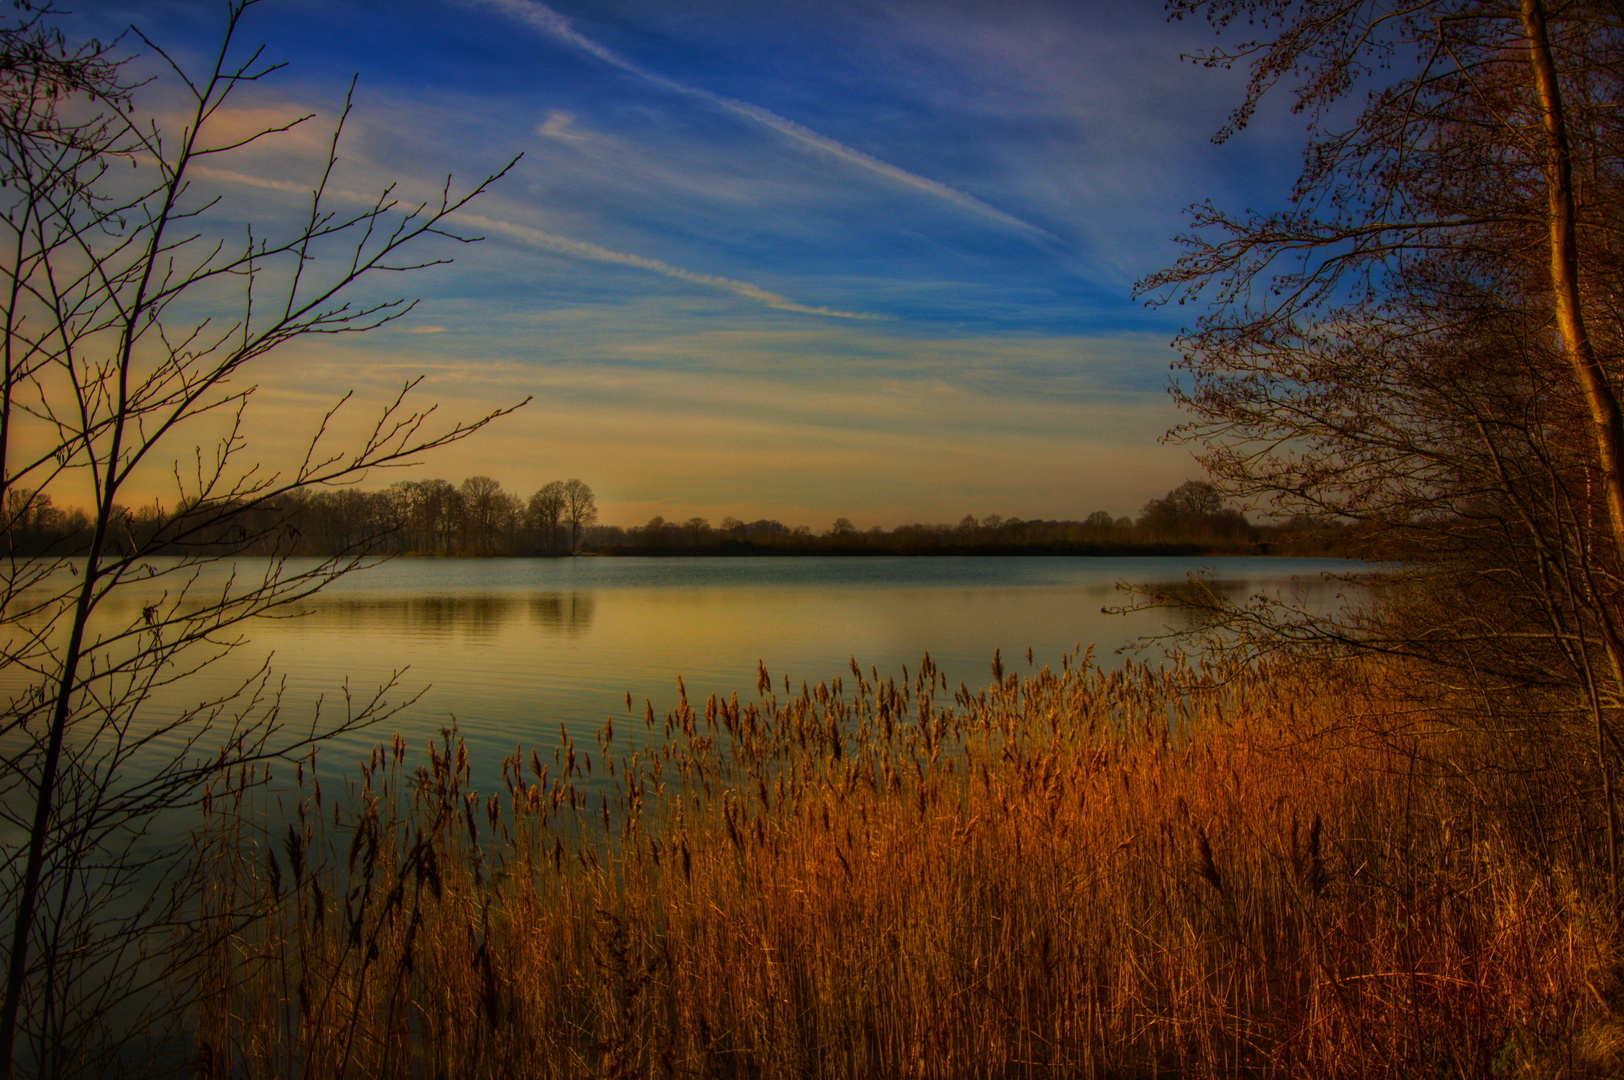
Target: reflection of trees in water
x,y
567,613
480,614
1200,603
1190,603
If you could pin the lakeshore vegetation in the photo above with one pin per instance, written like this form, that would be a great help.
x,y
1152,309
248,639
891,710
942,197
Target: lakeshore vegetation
x,y
1292,868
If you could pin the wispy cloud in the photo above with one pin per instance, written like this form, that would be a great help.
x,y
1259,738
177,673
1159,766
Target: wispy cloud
x,y
581,249
234,176
544,19
562,245
561,125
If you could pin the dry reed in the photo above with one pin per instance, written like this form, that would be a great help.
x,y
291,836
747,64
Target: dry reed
x,y
1196,871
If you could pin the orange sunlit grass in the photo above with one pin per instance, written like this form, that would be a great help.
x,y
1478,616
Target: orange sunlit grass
x,y
1282,869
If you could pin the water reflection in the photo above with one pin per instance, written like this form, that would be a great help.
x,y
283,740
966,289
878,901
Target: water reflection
x,y
566,613
511,650
479,615
1204,602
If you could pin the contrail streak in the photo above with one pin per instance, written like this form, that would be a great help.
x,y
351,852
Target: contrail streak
x,y
544,19
562,245
581,249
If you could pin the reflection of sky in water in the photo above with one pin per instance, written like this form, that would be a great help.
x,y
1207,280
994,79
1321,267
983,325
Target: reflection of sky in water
x,y
513,648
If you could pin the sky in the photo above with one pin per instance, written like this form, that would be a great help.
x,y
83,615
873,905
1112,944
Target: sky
x,y
796,259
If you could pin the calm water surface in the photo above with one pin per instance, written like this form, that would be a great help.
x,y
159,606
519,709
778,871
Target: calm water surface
x,y
511,649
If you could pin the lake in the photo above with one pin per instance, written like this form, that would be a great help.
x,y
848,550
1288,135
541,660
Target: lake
x,y
510,649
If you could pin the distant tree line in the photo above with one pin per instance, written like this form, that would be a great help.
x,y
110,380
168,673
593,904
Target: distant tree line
x,y
477,517
1190,519
416,517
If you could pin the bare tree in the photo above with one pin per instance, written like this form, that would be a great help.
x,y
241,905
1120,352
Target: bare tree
x,y
545,511
511,516
1192,508
580,509
653,532
482,506
108,369
1426,341
427,511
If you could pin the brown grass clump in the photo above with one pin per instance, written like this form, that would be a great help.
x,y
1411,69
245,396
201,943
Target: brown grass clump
x,y
1275,870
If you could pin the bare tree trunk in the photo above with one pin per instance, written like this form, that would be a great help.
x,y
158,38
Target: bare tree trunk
x,y
94,328
1606,418
44,803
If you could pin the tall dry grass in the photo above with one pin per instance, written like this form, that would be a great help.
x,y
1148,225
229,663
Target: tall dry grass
x,y
1277,870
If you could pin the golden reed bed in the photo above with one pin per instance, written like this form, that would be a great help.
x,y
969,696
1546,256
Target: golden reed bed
x,y
1279,869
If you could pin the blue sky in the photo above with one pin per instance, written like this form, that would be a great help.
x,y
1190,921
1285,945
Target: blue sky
x,y
786,259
